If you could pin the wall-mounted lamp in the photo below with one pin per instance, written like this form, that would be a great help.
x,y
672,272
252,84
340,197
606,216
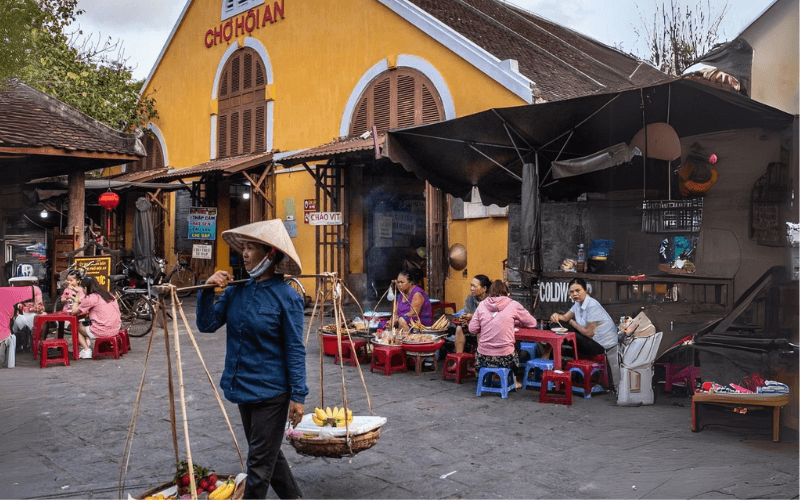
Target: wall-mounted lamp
x,y
246,195
44,214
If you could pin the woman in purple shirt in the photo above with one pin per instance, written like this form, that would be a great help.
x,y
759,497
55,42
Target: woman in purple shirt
x,y
413,303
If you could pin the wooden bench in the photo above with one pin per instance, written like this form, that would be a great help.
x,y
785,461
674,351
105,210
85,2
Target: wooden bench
x,y
751,401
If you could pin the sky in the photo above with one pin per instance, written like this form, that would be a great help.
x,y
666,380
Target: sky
x,y
143,26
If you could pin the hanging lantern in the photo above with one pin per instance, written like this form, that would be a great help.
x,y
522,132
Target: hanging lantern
x,y
109,200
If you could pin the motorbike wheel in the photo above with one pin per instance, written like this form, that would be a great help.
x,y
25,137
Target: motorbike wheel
x,y
137,316
181,278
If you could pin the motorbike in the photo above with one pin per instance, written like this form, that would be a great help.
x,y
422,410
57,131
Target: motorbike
x,y
127,263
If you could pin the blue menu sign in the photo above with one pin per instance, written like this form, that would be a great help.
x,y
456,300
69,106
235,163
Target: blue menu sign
x,y
203,223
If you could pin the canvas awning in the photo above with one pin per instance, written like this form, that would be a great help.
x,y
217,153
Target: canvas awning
x,y
488,149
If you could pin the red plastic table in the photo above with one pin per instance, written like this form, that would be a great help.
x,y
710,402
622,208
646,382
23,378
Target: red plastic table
x,y
60,318
554,339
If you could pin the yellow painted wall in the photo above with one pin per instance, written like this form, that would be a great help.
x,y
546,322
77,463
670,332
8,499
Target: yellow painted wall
x,y
318,52
487,246
295,184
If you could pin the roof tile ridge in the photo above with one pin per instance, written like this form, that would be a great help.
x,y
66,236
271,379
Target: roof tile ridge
x,y
530,42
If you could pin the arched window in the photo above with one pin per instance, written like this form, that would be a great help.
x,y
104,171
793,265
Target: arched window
x,y
154,158
242,118
396,98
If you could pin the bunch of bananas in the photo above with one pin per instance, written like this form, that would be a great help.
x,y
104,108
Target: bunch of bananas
x,y
334,418
223,492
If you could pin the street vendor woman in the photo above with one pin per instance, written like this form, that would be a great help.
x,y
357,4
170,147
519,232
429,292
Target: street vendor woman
x,y
413,303
265,370
596,332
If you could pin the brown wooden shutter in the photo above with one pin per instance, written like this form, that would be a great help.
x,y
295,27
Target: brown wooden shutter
x,y
242,108
396,98
154,158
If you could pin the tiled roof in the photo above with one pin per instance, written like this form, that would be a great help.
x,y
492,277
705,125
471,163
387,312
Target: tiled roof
x,y
561,62
32,119
334,148
229,166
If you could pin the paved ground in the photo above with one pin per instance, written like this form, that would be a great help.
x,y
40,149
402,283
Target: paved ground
x,y
64,428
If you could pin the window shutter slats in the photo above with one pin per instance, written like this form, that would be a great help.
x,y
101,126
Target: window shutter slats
x,y
243,105
222,141
382,105
261,129
247,130
431,110
235,73
234,144
396,98
405,100
359,123
248,71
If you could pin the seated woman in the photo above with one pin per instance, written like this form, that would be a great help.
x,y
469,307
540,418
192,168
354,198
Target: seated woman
x,y
413,303
596,332
22,323
494,322
478,287
103,312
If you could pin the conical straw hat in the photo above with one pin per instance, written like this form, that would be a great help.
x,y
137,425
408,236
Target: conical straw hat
x,y
268,232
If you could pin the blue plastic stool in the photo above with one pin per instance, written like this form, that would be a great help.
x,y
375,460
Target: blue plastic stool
x,y
530,348
537,366
506,381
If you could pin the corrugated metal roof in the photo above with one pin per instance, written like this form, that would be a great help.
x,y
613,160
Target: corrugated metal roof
x,y
228,166
141,175
338,147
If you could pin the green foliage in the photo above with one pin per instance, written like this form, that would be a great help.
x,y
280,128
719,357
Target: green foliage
x,y
679,35
90,76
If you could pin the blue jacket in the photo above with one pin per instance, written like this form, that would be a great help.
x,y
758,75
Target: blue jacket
x,y
265,356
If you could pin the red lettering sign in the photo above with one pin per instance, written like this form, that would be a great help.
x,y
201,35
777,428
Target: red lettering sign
x,y
244,24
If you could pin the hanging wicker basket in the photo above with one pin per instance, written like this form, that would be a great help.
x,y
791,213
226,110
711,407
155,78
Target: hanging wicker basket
x,y
238,493
334,447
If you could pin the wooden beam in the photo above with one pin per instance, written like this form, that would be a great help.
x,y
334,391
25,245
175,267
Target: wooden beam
x,y
257,187
49,151
154,198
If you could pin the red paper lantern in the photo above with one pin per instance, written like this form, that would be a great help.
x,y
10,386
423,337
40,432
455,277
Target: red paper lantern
x,y
109,200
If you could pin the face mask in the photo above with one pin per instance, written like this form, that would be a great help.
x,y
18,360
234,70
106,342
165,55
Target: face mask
x,y
263,265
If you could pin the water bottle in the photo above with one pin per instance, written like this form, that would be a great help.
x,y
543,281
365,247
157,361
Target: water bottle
x,y
581,253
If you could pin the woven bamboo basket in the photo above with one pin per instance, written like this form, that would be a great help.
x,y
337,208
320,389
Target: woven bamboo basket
x,y
334,447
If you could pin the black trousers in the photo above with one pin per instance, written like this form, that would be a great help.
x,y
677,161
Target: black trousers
x,y
264,425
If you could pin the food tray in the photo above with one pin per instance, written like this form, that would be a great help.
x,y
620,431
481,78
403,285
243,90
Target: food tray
x,y
377,315
359,425
169,488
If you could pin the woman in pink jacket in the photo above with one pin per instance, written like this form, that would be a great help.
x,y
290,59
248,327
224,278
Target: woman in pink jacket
x,y
494,323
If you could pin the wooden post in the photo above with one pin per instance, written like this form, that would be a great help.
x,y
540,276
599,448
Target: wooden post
x,y
77,202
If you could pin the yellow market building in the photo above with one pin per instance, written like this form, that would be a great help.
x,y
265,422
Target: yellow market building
x,y
278,109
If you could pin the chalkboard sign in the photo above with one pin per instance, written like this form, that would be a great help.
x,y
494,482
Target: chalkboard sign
x,y
183,202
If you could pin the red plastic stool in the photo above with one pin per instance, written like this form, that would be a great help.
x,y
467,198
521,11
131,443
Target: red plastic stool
x,y
125,341
106,346
458,365
586,368
389,358
561,381
601,358
41,319
681,376
357,349
62,357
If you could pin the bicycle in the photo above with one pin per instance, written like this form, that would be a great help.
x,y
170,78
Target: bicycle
x,y
181,275
299,288
136,309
